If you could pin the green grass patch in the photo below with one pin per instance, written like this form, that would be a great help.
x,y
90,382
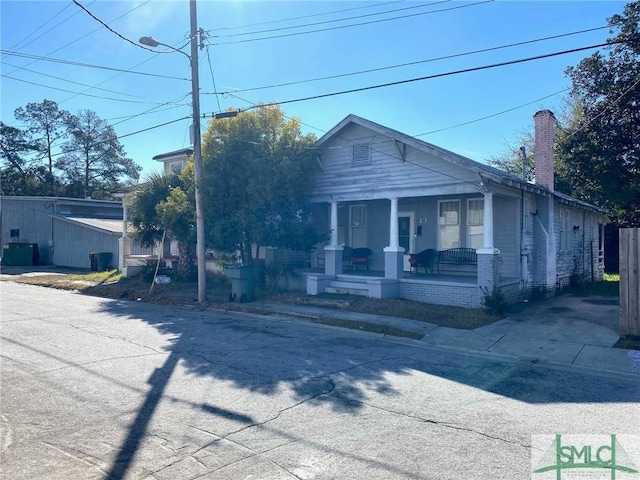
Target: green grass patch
x,y
609,287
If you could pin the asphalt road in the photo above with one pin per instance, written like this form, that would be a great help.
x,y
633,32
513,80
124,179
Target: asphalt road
x,y
95,388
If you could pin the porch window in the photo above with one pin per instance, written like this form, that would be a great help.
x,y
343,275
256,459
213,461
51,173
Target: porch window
x,y
475,220
448,224
565,230
358,223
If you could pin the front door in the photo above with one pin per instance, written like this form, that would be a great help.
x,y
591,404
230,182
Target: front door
x,y
405,231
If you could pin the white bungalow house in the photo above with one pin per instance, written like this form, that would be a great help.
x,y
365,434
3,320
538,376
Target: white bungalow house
x,y
398,195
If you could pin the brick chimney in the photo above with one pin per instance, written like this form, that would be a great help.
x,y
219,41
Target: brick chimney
x,y
545,126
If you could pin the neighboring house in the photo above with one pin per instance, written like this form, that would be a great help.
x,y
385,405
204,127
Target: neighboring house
x,y
65,230
398,195
174,162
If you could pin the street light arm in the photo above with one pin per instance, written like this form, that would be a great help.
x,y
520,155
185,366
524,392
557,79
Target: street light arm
x,y
152,42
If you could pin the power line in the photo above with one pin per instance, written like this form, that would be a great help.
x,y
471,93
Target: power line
x,y
446,74
334,20
75,93
155,126
153,109
69,81
389,67
112,30
309,16
88,65
493,114
37,29
83,36
608,107
213,79
355,24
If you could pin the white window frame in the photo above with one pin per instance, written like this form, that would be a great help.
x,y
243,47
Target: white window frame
x,y
442,225
176,167
357,223
476,223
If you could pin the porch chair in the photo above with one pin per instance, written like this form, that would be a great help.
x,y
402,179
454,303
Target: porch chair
x,y
360,256
426,258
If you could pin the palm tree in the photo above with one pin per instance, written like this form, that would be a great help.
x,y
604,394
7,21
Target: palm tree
x,y
161,207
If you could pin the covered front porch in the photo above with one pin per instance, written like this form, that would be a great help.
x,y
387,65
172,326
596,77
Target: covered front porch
x,y
389,273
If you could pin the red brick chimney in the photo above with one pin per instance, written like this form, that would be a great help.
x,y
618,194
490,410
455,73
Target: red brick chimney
x,y
545,125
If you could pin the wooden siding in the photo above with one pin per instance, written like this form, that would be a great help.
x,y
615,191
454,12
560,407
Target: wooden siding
x,y
388,174
506,234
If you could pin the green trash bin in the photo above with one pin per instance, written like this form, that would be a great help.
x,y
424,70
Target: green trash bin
x,y
18,254
100,261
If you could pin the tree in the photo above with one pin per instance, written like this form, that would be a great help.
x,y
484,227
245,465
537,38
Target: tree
x,y
511,160
257,174
17,175
162,207
600,148
94,161
46,126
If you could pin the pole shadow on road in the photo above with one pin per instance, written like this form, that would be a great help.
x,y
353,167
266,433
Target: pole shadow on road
x,y
335,369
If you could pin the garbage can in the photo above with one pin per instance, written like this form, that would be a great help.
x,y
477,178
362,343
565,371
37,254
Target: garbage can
x,y
243,281
18,254
100,261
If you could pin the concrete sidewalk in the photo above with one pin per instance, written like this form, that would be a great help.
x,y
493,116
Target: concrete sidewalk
x,y
564,330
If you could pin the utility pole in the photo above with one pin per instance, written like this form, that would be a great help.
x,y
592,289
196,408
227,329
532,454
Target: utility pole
x,y
197,157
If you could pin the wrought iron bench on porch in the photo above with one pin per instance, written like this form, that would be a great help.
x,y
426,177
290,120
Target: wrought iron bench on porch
x,y
457,256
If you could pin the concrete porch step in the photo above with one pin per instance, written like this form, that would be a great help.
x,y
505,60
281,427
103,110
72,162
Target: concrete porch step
x,y
359,284
347,291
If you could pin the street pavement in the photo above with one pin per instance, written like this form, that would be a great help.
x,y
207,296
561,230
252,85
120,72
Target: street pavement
x,y
95,388
567,330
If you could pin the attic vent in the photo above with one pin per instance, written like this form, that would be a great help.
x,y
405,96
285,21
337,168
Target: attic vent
x,y
361,154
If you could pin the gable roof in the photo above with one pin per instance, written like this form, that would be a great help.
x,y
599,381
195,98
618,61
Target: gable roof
x,y
485,171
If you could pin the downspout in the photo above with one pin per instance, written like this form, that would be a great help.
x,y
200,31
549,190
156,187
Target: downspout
x,y
523,248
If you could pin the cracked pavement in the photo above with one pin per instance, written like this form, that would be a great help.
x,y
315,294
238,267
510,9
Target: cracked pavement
x,y
95,388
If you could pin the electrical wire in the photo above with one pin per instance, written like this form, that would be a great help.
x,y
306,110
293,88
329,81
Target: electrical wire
x,y
309,16
493,114
39,28
400,65
77,93
608,107
354,24
153,127
89,65
112,30
154,109
333,21
69,81
446,74
213,79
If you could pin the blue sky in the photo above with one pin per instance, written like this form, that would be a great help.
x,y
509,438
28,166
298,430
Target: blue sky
x,y
240,58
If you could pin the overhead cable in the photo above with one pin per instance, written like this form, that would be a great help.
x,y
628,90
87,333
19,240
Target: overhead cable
x,y
400,65
354,24
446,74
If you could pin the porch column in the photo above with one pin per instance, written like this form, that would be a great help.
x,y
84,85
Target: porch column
x,y
489,259
334,224
393,254
333,252
487,220
124,243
